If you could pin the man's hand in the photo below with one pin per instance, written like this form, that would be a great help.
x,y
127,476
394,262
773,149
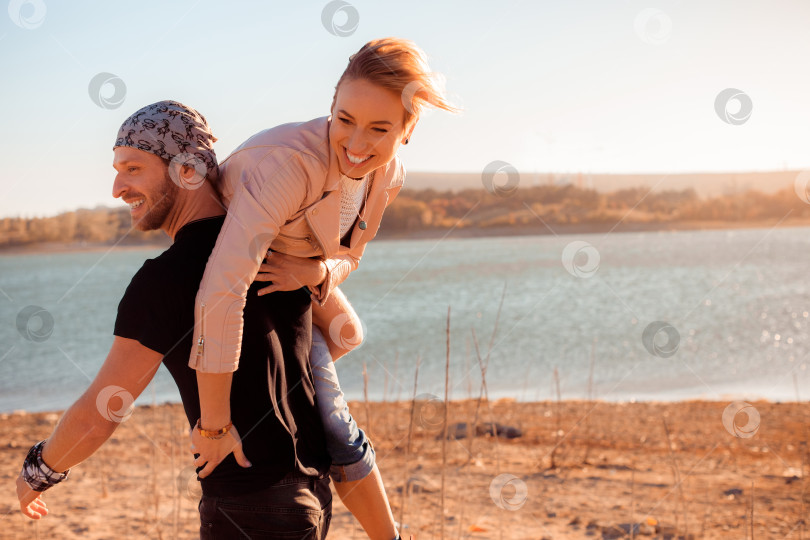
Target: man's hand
x,y
213,451
288,272
31,503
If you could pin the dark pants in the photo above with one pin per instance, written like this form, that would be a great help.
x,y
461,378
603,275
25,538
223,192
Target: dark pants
x,y
296,507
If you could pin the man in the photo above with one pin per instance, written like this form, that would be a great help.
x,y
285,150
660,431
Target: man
x,y
166,169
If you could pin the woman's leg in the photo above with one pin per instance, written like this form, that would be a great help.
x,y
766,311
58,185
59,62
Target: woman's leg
x,y
356,476
367,501
339,324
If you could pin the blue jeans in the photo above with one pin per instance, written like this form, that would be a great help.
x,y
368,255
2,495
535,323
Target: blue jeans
x,y
297,507
351,451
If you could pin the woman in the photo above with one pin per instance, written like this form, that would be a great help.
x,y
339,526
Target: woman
x,y
314,193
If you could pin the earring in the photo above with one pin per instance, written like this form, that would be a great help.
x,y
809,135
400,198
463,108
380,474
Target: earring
x,y
405,141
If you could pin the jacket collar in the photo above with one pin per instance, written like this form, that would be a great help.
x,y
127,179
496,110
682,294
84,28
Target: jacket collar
x,y
332,173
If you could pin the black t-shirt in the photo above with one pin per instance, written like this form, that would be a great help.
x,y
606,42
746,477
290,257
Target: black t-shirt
x,y
281,429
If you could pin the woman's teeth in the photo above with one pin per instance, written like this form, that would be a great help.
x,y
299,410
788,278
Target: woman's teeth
x,y
356,160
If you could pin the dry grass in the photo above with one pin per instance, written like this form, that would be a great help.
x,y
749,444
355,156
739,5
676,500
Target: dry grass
x,y
129,489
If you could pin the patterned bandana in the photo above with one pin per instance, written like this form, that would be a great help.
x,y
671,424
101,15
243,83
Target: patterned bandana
x,y
170,129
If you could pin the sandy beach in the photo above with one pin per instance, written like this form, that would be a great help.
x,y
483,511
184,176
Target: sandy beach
x,y
579,469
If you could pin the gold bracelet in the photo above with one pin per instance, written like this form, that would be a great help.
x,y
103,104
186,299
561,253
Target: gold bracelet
x,y
214,433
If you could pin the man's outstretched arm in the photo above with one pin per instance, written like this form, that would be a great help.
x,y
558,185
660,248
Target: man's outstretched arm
x,y
90,421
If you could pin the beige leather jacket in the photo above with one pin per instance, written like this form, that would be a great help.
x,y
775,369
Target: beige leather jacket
x,y
282,191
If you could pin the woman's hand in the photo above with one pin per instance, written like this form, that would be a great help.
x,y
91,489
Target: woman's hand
x,y
31,503
213,451
288,272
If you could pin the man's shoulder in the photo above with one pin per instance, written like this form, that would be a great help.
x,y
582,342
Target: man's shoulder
x,y
158,305
180,266
155,277
153,305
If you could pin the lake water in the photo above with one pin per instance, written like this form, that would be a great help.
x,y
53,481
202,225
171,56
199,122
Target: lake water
x,y
731,307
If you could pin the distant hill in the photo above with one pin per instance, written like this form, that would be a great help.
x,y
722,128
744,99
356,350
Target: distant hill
x,y
704,184
556,204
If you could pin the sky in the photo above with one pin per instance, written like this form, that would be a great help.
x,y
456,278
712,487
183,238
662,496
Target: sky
x,y
624,86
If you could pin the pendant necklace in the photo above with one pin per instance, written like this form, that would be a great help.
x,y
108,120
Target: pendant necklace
x,y
363,225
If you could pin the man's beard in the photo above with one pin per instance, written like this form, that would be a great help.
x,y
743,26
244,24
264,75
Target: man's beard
x,y
157,214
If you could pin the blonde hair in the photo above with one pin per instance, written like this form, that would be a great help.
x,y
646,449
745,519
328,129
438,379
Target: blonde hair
x,y
400,66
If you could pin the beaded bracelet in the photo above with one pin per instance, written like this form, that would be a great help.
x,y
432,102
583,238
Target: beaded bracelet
x,y
214,433
37,474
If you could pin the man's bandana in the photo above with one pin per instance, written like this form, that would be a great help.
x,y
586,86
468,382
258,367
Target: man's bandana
x,y
173,131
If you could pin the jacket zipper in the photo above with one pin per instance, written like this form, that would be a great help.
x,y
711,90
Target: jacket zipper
x,y
201,339
317,237
306,238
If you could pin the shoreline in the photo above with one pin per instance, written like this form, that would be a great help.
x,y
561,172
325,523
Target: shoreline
x,y
589,228
5,414
455,233
55,247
